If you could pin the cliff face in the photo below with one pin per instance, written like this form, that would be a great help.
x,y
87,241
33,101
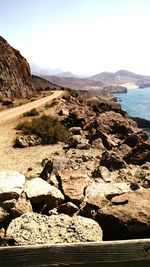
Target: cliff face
x,y
15,76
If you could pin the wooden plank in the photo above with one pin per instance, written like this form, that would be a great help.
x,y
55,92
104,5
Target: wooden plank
x,y
82,253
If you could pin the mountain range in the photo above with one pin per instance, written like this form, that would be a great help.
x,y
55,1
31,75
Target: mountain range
x,y
120,78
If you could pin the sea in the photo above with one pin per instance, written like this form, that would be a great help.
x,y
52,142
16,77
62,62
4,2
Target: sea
x,y
136,102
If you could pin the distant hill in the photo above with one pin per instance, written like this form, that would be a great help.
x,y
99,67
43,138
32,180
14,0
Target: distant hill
x,y
99,81
121,77
74,82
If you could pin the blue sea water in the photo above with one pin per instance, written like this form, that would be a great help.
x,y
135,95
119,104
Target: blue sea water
x,y
136,102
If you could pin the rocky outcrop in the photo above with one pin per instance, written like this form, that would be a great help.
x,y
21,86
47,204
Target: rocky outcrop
x,y
141,123
32,229
115,89
126,216
15,76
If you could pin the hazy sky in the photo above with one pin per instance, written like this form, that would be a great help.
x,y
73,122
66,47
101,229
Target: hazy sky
x,y
82,36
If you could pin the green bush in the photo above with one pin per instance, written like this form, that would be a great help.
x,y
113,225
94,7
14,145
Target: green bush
x,y
31,113
48,128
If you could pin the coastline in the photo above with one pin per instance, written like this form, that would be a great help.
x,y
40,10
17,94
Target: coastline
x,y
130,85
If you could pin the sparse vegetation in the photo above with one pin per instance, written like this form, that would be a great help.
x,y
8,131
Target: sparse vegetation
x,y
50,105
31,113
49,129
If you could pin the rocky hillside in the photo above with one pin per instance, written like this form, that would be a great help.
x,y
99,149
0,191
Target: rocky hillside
x,y
95,186
15,76
41,84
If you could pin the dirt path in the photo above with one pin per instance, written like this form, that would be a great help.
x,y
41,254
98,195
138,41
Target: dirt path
x,y
30,157
12,113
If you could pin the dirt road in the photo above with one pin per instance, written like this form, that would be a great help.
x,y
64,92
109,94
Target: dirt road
x,y
12,113
22,159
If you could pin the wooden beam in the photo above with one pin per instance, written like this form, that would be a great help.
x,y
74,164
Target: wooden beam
x,y
82,253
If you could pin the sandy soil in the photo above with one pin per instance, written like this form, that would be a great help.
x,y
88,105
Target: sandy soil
x,y
17,158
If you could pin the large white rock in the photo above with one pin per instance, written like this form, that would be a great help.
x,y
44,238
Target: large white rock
x,y
32,229
97,193
11,184
37,190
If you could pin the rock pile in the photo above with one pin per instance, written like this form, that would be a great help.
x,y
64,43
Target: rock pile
x,y
99,182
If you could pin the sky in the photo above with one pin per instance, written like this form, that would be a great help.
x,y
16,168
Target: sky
x,y
81,36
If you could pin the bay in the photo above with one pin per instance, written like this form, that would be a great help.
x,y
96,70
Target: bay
x,y
136,102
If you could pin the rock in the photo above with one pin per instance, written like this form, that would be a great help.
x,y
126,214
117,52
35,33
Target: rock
x,y
63,112
27,141
76,141
97,143
33,229
98,193
38,191
2,233
74,120
111,122
22,205
67,208
127,214
11,184
100,105
141,122
48,168
112,161
15,79
4,216
8,204
73,183
136,138
139,154
76,130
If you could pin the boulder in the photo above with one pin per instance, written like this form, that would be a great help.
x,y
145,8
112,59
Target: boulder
x,y
33,229
74,120
99,193
112,160
76,130
76,141
11,184
112,122
136,138
126,216
139,154
27,140
22,205
63,112
38,190
73,183
67,208
47,170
